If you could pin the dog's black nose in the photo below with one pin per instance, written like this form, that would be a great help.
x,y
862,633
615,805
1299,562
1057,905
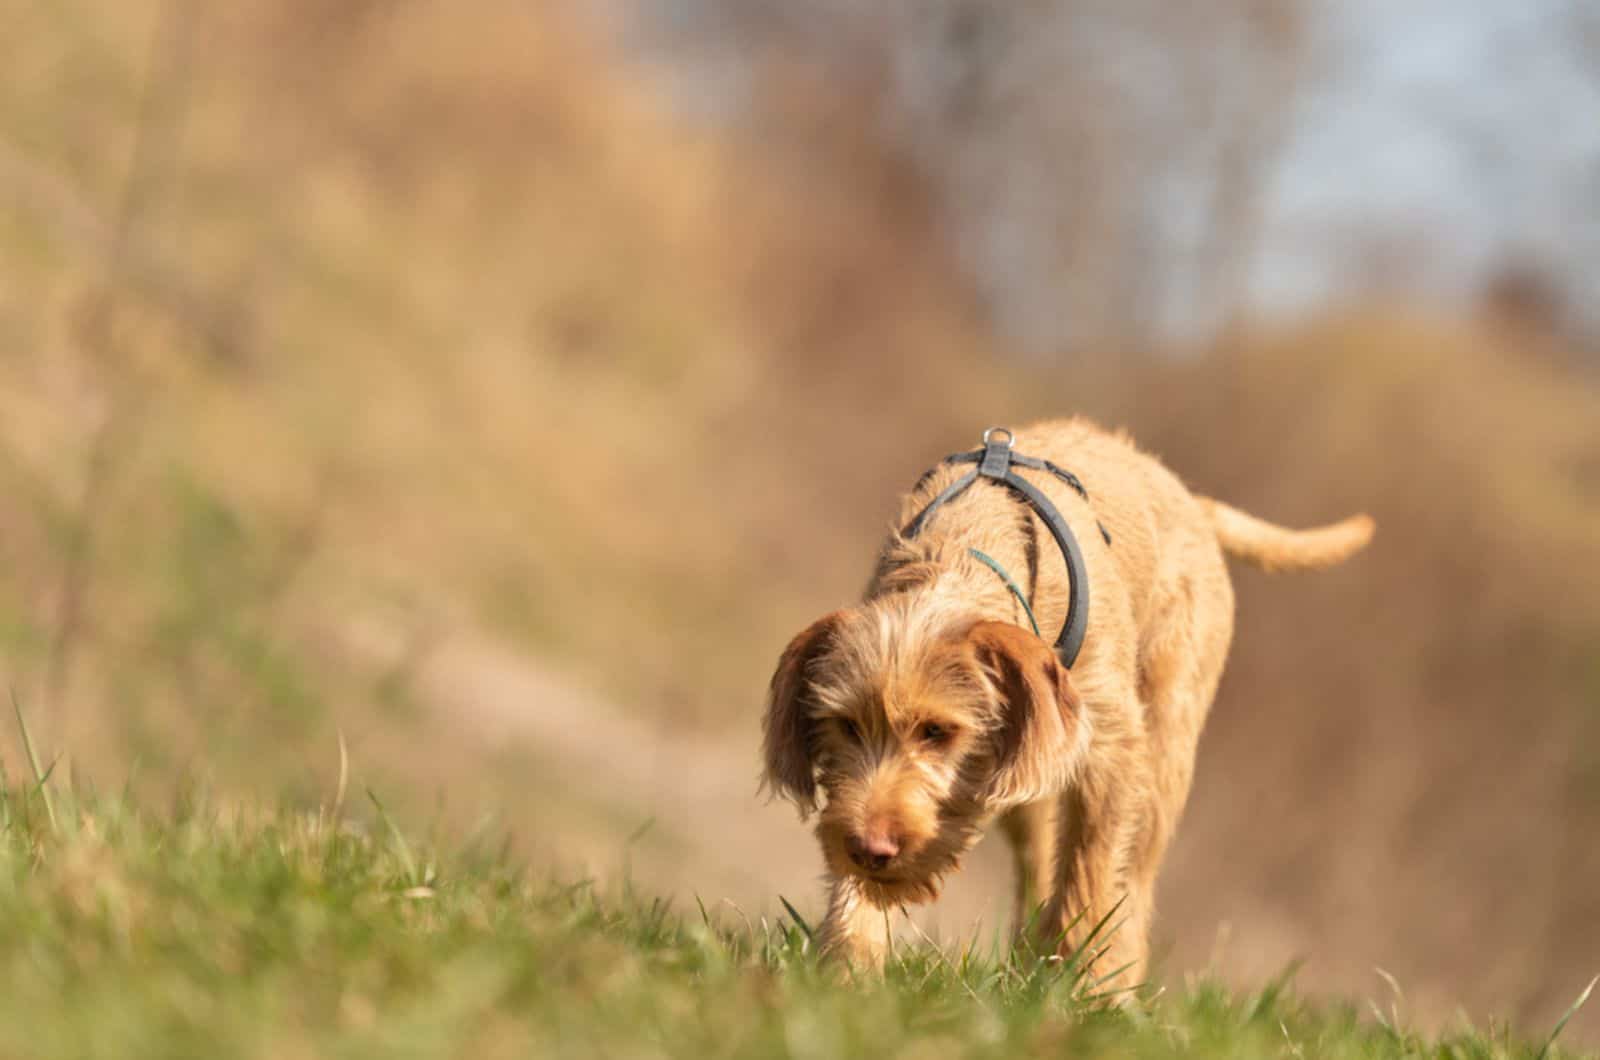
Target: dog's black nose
x,y
874,850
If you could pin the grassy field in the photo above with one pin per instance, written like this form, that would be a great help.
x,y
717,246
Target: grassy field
x,y
206,930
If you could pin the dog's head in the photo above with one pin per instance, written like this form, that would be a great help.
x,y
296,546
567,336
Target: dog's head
x,y
912,734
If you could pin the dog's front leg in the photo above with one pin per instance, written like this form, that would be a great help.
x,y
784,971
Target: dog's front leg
x,y
1094,911
855,929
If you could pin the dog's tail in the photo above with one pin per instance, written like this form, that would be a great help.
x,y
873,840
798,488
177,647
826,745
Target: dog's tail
x,y
1275,548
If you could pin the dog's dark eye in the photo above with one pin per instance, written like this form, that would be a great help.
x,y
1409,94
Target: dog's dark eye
x,y
933,732
851,730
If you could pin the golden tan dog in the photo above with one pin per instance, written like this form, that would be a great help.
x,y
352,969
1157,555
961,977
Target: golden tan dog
x,y
931,707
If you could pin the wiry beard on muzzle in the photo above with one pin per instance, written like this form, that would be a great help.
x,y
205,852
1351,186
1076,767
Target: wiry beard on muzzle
x,y
906,892
921,879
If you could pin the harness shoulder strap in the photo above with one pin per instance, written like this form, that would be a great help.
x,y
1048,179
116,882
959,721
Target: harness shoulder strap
x,y
955,489
995,462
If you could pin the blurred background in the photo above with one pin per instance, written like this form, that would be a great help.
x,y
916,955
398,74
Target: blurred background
x,y
503,384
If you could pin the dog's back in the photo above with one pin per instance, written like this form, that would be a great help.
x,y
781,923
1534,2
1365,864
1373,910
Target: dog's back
x,y
1163,538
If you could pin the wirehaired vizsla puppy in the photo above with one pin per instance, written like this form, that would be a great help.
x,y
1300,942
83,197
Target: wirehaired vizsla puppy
x,y
937,704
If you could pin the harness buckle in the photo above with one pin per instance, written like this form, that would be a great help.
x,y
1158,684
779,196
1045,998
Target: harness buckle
x,y
996,462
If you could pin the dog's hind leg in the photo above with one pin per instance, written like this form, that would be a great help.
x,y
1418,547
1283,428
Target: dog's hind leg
x,y
1030,828
1181,661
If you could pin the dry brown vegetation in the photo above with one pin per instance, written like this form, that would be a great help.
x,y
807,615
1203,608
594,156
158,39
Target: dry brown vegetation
x,y
323,320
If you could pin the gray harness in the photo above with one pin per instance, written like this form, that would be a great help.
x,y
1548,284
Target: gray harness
x,y
996,461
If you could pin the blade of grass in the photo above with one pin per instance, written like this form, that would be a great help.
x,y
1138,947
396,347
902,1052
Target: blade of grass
x,y
401,846
1562,1022
40,775
799,920
627,853
1061,938
749,928
344,776
1269,994
1075,958
1099,981
1092,995
942,959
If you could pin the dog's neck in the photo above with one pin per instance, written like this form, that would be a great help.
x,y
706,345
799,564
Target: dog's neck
x,y
934,584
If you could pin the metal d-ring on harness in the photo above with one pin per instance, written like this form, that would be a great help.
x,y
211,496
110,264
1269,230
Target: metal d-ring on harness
x,y
995,461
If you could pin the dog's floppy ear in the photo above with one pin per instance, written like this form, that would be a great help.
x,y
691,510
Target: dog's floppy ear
x,y
1037,727
787,728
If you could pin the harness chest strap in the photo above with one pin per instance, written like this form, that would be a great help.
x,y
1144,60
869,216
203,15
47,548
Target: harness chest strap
x,y
995,461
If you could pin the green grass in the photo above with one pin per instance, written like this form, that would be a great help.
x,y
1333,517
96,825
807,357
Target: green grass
x,y
211,931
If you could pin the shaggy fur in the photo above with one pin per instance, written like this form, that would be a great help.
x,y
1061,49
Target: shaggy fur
x,y
930,708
